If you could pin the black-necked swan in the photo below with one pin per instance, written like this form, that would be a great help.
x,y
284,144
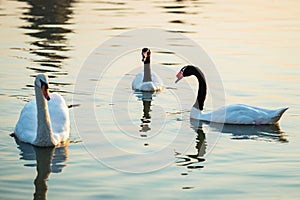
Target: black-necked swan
x,y
44,121
147,81
234,114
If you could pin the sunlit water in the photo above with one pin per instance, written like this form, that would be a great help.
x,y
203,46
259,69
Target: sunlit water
x,y
255,48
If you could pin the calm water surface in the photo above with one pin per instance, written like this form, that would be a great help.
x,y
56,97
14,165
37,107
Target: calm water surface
x,y
255,48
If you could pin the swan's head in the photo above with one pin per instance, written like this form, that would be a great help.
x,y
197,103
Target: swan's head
x,y
41,81
145,54
185,71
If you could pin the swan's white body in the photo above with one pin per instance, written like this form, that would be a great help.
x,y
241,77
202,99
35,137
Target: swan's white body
x,y
239,114
52,128
155,85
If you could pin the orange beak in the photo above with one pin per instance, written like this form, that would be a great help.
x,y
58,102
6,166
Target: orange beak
x,y
45,92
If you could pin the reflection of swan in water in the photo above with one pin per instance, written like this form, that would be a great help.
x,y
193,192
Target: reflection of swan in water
x,y
48,159
271,133
146,119
146,97
192,160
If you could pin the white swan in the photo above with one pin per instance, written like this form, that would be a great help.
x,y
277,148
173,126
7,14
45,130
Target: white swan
x,y
147,81
45,121
232,114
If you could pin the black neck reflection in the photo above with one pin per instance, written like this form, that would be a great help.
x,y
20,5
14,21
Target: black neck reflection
x,y
193,161
146,119
146,97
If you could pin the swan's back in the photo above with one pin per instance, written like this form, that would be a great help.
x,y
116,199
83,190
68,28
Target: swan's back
x,y
154,85
245,114
241,114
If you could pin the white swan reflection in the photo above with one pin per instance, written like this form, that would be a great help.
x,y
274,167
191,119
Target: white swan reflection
x,y
48,160
268,133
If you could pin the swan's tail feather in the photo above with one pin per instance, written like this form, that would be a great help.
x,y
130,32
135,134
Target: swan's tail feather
x,y
278,114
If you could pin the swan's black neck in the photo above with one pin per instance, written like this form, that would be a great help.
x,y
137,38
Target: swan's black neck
x,y
147,60
199,104
147,70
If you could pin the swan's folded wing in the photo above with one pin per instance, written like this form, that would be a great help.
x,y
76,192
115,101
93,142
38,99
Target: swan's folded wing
x,y
26,126
137,81
59,115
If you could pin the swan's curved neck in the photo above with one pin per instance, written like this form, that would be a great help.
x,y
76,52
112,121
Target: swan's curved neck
x,y
44,135
199,104
147,70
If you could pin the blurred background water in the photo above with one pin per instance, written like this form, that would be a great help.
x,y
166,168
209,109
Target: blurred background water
x,y
255,47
